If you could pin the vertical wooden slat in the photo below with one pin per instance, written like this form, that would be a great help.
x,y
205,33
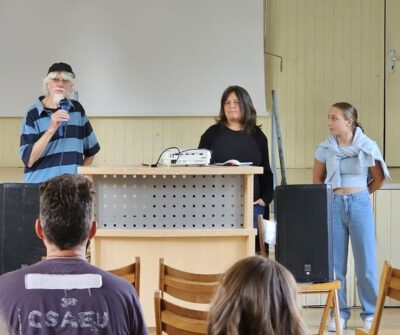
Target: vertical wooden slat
x,y
365,62
337,49
129,142
309,104
328,57
289,107
10,136
117,138
156,138
387,214
319,109
301,54
2,153
345,38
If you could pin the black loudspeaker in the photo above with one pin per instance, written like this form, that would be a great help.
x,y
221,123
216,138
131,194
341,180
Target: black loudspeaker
x,y
19,208
304,231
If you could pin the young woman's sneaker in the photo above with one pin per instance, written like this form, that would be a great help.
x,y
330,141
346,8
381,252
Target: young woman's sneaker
x,y
368,322
332,324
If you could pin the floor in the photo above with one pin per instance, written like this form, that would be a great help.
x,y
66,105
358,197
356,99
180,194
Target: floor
x,y
390,320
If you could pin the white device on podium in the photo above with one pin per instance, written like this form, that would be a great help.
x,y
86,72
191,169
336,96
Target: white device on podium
x,y
177,157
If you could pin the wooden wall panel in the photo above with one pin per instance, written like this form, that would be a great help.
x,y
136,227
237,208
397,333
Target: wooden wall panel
x,y
125,140
332,51
132,141
387,216
9,141
392,87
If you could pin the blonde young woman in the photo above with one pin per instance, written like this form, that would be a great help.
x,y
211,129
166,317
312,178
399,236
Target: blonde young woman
x,y
353,165
257,296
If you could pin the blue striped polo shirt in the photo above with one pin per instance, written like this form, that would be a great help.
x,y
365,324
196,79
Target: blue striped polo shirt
x,y
64,153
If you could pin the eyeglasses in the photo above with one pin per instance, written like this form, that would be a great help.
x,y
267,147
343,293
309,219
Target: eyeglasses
x,y
60,80
234,102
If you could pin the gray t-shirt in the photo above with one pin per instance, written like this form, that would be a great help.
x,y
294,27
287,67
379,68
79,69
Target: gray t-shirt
x,y
69,296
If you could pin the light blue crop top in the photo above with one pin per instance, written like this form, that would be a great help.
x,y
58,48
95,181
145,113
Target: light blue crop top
x,y
352,175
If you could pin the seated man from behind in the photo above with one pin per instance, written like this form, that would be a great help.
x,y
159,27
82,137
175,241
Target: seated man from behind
x,y
65,294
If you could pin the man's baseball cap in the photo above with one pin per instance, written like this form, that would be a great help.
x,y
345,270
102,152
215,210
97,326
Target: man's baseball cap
x,y
58,67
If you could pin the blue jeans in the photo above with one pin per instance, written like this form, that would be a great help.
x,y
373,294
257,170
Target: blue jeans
x,y
257,210
352,217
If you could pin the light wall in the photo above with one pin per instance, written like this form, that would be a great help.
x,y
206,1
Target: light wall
x,y
332,51
134,57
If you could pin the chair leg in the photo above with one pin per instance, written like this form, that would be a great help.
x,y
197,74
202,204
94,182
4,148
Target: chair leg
x,y
335,306
325,313
157,311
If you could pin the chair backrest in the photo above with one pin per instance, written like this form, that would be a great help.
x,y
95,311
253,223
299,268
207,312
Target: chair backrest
x,y
187,286
260,222
389,286
178,320
131,273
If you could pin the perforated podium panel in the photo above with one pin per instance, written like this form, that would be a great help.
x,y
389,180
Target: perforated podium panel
x,y
175,202
196,218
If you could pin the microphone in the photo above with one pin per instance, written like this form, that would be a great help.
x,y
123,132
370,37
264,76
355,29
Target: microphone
x,y
64,104
65,107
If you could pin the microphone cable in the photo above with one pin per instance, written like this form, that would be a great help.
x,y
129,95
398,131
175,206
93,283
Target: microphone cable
x,y
159,157
179,153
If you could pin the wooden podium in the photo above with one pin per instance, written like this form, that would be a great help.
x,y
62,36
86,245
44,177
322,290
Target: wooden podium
x,y
196,218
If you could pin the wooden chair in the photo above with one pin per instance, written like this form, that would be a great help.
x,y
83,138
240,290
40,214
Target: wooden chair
x,y
389,286
187,286
261,232
131,273
184,287
330,288
178,320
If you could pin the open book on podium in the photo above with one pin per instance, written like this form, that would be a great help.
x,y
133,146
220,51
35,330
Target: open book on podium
x,y
234,162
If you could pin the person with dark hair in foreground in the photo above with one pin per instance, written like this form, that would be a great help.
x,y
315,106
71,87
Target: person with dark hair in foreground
x,y
65,294
257,296
237,136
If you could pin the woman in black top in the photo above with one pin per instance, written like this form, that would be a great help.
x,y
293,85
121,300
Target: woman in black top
x,y
237,136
